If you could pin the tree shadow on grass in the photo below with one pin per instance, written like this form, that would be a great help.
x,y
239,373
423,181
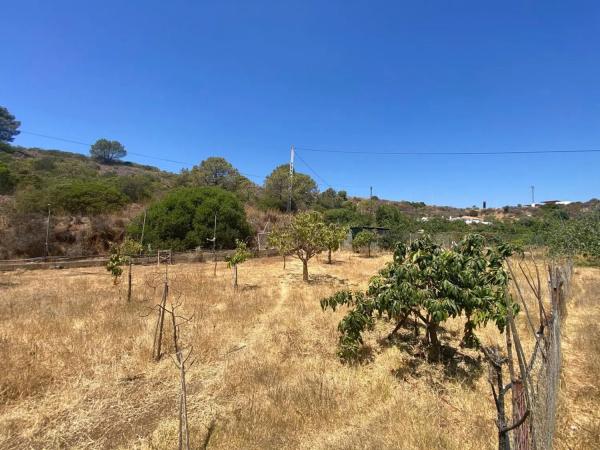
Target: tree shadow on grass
x,y
327,279
456,365
247,287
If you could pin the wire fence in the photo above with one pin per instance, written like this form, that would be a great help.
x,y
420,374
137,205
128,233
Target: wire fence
x,y
535,380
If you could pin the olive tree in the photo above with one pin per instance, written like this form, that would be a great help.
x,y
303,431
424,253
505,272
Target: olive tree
x,y
430,284
334,236
240,255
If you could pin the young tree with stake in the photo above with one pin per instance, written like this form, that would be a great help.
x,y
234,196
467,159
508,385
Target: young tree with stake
x,y
120,255
280,239
241,254
334,236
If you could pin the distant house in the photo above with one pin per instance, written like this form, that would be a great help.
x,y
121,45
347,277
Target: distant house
x,y
470,220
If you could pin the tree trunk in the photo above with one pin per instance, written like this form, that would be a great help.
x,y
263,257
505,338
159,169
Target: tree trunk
x,y
329,257
369,250
235,283
434,343
305,270
283,262
129,282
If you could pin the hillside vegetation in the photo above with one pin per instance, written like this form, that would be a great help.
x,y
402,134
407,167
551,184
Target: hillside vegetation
x,y
94,202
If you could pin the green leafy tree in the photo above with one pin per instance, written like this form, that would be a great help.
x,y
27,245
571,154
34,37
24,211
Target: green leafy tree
x,y
9,126
364,239
334,236
107,151
430,284
240,255
276,190
280,239
215,171
184,219
307,234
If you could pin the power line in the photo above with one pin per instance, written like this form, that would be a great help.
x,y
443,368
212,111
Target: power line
x,y
312,170
461,153
71,141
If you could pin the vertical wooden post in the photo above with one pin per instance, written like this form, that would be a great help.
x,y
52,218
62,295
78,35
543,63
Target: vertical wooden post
x,y
129,280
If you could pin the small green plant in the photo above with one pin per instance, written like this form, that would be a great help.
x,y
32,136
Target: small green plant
x,y
364,239
120,255
241,255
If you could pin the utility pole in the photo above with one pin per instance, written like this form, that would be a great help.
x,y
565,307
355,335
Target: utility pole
x,y
532,195
371,202
48,231
289,205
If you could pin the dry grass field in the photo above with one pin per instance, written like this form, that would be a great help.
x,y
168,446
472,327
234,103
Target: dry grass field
x,y
76,368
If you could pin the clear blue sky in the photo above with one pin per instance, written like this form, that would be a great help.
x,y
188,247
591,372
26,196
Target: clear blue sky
x,y
245,80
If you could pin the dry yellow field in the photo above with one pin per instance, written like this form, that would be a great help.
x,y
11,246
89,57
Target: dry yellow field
x,y
76,368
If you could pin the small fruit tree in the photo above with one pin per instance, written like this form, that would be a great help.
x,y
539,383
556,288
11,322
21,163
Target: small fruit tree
x,y
306,234
364,239
241,254
123,254
430,284
334,236
279,238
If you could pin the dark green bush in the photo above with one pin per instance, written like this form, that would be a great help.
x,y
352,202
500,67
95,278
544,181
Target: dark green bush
x,y
184,219
7,180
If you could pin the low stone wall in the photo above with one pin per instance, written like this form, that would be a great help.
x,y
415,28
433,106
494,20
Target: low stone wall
x,y
99,261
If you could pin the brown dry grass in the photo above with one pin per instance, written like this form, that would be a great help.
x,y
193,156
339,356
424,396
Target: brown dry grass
x,y
76,369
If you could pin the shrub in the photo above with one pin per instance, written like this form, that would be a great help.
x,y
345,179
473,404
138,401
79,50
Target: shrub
x,y
7,180
184,219
86,197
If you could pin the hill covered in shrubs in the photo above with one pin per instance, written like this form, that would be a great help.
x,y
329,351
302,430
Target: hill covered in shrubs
x,y
94,202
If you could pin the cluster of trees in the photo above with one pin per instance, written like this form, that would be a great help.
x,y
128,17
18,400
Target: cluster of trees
x,y
429,284
306,236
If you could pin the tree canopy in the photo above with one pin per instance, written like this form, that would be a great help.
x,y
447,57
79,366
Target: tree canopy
x,y
431,284
214,171
184,219
107,151
307,234
334,236
9,126
276,189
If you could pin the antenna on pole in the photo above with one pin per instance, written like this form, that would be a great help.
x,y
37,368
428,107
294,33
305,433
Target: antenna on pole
x,y
289,205
532,195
